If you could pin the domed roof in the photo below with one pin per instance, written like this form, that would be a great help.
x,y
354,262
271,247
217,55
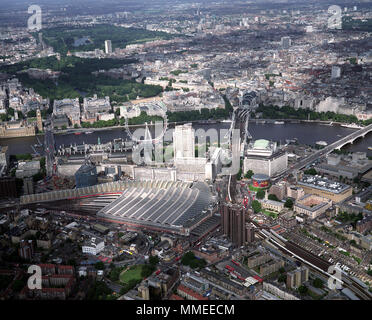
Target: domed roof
x,y
260,177
261,144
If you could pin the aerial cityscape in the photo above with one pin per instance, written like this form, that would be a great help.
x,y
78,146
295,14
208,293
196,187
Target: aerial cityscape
x,y
186,150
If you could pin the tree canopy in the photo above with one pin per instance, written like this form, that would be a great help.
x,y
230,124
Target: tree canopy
x,y
256,206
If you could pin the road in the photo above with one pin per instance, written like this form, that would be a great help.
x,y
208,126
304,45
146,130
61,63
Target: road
x,y
113,286
323,152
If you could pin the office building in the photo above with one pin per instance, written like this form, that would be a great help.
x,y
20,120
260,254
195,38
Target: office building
x,y
264,157
8,187
95,105
26,249
144,292
279,190
54,285
234,223
188,166
28,185
60,121
272,205
257,258
214,165
189,294
69,108
312,205
295,192
27,169
4,156
287,220
333,159
271,267
108,47
268,287
286,42
364,225
250,237
337,167
297,277
336,72
94,246
159,284
323,187
184,141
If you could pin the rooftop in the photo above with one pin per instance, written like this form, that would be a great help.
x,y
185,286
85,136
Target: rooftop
x,y
261,144
323,184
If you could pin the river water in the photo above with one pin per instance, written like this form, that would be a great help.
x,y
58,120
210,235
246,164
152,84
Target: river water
x,y
306,133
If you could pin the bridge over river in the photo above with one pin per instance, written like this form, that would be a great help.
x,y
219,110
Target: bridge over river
x,y
337,145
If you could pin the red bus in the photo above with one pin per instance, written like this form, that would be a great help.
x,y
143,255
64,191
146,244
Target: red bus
x,y
245,202
234,262
258,278
230,268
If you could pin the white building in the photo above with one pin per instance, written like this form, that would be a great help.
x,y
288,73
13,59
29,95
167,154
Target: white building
x,y
106,116
263,157
277,206
82,272
184,141
108,47
129,111
336,72
188,166
4,156
27,169
214,165
68,107
94,247
95,104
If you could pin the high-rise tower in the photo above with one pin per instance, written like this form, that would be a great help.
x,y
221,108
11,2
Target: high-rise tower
x,y
39,121
184,141
234,223
108,47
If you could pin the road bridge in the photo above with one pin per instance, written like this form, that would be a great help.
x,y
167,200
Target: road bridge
x,y
337,145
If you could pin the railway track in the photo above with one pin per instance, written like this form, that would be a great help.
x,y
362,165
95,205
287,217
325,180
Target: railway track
x,y
318,264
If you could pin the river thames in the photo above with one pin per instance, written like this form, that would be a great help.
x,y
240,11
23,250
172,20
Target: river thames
x,y
306,133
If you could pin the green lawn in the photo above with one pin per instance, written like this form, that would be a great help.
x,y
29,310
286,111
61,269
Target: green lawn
x,y
345,253
357,259
252,188
62,38
270,214
134,273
